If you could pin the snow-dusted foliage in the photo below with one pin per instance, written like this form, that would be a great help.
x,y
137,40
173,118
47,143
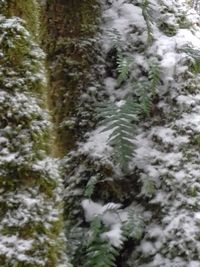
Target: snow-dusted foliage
x,y
30,184
163,172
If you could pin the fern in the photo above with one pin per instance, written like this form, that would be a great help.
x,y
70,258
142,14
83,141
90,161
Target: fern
x,y
195,55
134,226
76,241
111,207
116,39
122,120
108,233
144,95
89,190
154,76
148,186
122,68
146,90
147,18
99,252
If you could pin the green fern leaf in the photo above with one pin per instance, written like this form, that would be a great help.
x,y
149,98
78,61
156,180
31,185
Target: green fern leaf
x,y
154,76
115,36
148,186
99,252
134,227
147,17
121,119
122,68
111,207
195,55
144,94
90,186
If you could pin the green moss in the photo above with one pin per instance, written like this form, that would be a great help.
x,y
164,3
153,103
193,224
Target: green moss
x,y
68,28
196,141
27,10
192,191
183,22
28,136
168,29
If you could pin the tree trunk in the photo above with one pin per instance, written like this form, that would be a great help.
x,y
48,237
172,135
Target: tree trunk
x,y
31,219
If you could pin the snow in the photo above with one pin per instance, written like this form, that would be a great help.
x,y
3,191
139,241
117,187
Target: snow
x,y
164,146
97,144
190,122
111,215
91,209
114,235
194,264
25,168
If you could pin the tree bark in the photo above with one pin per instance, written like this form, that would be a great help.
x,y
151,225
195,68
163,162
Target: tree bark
x,y
31,216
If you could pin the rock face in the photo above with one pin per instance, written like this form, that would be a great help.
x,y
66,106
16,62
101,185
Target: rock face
x,y
120,80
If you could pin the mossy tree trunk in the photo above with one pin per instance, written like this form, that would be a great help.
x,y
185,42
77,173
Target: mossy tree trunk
x,y
31,225
70,27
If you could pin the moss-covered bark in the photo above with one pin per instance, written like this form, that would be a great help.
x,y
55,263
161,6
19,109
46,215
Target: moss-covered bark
x,y
70,26
30,202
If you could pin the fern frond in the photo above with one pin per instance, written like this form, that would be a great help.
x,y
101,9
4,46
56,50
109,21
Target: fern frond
x,y
116,39
154,76
122,68
111,207
144,94
76,239
121,118
90,186
95,227
148,187
147,18
195,55
99,252
146,90
134,226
